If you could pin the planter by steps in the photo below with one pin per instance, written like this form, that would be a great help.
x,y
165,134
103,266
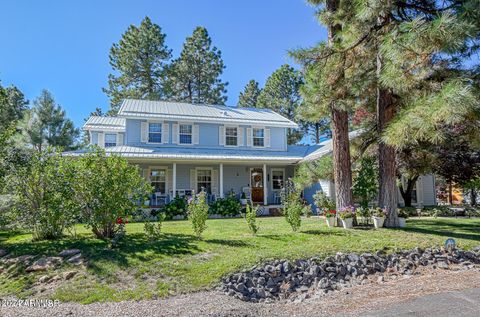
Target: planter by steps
x,y
378,222
402,222
347,223
330,221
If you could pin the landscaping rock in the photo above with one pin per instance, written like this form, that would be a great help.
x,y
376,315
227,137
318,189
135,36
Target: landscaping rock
x,y
76,259
69,253
3,253
296,281
44,263
44,279
68,275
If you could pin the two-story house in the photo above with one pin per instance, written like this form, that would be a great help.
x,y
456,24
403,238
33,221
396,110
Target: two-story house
x,y
183,147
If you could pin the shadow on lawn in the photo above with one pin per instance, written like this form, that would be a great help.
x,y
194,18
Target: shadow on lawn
x,y
230,243
445,228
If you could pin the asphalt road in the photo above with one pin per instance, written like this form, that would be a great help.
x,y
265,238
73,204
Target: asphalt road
x,y
464,303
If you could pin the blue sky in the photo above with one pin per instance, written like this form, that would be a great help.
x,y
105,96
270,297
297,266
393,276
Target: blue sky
x,y
63,45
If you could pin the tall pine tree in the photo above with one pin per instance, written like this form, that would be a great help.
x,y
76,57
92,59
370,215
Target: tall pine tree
x,y
194,77
249,96
139,61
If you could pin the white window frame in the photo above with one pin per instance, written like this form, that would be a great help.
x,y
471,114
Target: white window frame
x,y
225,131
116,139
253,137
179,133
165,168
271,177
161,131
196,177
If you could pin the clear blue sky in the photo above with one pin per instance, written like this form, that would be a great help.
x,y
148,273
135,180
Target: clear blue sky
x,y
63,45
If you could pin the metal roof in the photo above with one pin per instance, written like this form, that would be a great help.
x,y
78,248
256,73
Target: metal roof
x,y
326,147
293,154
165,110
104,123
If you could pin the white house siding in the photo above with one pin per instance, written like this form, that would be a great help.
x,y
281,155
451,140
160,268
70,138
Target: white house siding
x,y
426,194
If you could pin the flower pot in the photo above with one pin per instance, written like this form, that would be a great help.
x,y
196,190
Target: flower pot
x,y
402,222
378,222
347,223
330,221
243,201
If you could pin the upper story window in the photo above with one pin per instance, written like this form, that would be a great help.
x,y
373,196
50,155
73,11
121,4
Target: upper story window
x,y
258,137
185,133
231,136
155,132
110,139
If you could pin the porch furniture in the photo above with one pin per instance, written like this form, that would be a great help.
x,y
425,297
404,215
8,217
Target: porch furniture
x,y
160,198
277,198
247,192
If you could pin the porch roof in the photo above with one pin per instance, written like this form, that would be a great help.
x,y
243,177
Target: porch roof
x,y
293,154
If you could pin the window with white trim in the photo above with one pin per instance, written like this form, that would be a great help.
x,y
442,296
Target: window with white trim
x,y
204,180
110,139
185,133
231,136
158,180
277,179
154,132
258,137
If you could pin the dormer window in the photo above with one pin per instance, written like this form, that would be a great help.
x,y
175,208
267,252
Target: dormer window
x,y
110,139
185,134
154,132
258,137
231,136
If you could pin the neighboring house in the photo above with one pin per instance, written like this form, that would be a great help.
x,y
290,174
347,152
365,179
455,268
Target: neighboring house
x,y
183,148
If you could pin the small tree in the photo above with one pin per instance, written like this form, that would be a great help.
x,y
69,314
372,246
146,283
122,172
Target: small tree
x,y
292,204
106,189
198,213
365,184
42,191
251,218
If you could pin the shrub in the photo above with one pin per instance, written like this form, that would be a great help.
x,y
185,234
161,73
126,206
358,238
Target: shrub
x,y
402,213
365,184
293,206
228,206
154,230
106,188
307,211
198,213
43,198
323,202
251,218
410,211
437,211
176,207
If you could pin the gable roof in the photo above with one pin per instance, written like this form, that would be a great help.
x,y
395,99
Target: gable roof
x,y
326,147
178,111
105,123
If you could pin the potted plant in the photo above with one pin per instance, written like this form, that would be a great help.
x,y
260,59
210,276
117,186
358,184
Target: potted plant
x,y
378,216
330,216
346,214
402,218
243,199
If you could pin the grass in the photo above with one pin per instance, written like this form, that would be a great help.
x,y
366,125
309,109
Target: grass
x,y
179,262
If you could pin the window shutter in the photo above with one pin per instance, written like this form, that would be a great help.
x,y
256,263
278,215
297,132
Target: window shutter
x,y
175,133
169,183
267,137
120,139
249,136
144,132
221,135
215,182
193,180
240,136
165,133
101,139
196,134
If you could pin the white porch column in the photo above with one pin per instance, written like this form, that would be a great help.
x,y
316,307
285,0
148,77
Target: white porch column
x,y
174,180
221,180
265,190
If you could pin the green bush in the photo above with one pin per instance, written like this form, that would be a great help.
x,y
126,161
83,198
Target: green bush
x,y
251,218
409,211
323,202
176,207
198,213
437,211
228,206
153,230
293,206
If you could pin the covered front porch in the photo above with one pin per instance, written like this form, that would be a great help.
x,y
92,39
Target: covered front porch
x,y
259,183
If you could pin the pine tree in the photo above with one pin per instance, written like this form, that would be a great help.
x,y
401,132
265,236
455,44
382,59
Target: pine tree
x,y
249,96
282,94
194,77
12,106
47,124
139,61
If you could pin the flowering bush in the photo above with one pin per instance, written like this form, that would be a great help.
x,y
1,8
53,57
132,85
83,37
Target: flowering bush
x,y
176,207
198,212
346,212
323,202
330,213
379,212
228,206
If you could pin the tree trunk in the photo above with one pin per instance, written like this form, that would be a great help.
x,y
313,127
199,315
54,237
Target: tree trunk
x,y
387,194
473,197
450,193
317,133
407,193
341,143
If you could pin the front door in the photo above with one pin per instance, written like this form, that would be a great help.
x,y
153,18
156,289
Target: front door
x,y
256,184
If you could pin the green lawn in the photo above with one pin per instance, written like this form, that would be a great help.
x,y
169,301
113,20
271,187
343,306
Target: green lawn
x,y
179,262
